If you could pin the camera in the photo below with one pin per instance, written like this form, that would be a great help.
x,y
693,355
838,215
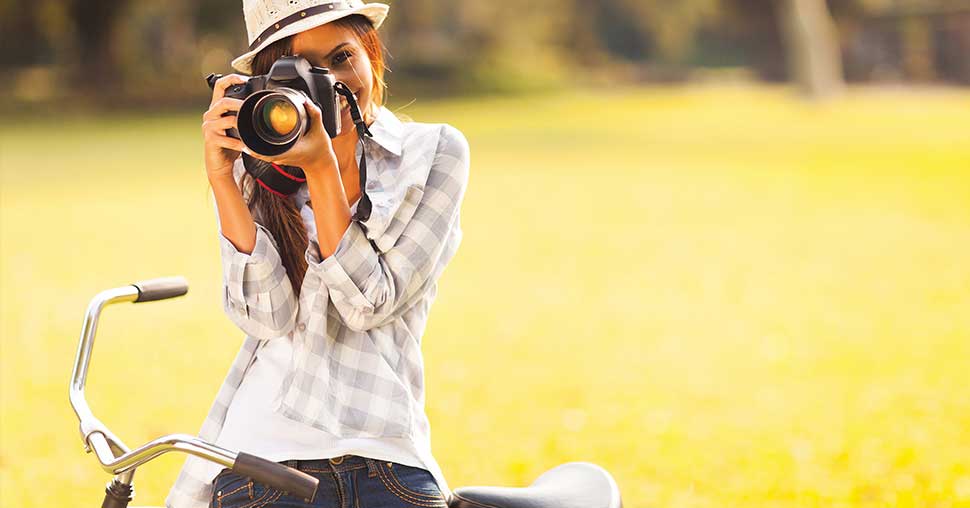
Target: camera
x,y
272,117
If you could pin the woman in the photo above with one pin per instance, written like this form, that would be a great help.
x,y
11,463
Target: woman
x,y
330,377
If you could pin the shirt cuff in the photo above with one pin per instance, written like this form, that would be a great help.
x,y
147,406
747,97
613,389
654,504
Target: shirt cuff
x,y
350,270
264,259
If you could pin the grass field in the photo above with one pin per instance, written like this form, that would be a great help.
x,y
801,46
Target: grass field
x,y
723,296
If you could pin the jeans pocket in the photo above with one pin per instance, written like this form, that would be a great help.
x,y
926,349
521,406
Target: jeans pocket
x,y
413,485
231,490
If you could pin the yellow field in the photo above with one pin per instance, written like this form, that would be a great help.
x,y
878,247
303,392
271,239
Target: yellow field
x,y
723,296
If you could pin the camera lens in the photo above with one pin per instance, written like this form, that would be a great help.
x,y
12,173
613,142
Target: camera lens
x,y
276,117
279,116
271,121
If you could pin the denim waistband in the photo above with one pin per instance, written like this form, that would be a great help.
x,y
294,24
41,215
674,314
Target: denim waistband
x,y
333,464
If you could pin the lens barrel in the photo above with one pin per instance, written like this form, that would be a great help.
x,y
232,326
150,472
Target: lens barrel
x,y
271,121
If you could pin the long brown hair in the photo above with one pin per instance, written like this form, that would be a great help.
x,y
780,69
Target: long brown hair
x,y
279,215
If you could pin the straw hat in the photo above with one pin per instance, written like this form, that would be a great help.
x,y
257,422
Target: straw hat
x,y
268,21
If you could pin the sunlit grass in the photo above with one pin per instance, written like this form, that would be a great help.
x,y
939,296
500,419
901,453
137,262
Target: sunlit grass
x,y
723,296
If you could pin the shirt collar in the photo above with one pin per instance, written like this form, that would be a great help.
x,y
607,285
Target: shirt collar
x,y
388,131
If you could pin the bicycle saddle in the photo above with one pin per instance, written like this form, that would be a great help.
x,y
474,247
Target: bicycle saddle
x,y
570,485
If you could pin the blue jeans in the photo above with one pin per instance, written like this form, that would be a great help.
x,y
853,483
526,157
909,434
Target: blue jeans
x,y
350,481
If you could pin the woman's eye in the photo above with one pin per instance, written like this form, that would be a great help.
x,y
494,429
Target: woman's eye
x,y
341,57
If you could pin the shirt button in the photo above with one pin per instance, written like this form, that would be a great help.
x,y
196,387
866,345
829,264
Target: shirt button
x,y
302,327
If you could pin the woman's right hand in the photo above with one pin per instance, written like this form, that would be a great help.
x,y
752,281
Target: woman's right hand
x,y
221,151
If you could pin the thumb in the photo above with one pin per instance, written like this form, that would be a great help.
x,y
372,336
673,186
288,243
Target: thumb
x,y
315,116
312,109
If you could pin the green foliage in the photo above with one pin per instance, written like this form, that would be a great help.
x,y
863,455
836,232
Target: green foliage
x,y
672,24
152,55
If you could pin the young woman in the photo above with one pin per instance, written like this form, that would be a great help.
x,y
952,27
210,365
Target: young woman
x,y
330,377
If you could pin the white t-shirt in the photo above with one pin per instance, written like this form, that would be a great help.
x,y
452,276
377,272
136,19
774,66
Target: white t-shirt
x,y
251,426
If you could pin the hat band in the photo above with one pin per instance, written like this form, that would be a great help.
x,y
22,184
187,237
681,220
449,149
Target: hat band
x,y
297,16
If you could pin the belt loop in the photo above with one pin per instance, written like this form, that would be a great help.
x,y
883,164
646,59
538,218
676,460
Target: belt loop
x,y
371,467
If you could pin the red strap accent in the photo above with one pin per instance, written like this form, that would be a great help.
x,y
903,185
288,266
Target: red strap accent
x,y
284,173
263,185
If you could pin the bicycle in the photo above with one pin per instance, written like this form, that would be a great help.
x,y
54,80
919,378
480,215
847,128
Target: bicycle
x,y
569,485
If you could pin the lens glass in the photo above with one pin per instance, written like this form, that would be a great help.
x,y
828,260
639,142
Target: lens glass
x,y
279,116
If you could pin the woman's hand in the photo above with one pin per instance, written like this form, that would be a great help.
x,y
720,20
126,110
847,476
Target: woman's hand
x,y
313,152
221,150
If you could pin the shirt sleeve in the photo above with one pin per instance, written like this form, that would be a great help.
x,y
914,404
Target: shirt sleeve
x,y
256,295
368,287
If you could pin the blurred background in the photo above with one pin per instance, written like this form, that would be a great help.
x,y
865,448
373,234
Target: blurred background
x,y
139,53
719,247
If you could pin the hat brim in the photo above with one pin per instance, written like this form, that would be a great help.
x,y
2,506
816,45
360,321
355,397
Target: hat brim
x,y
375,12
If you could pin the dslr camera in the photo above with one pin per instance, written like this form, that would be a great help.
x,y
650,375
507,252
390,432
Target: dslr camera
x,y
272,117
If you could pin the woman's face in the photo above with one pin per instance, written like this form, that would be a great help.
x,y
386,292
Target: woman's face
x,y
338,49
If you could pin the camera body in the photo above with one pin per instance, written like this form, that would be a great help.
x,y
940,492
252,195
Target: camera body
x,y
272,116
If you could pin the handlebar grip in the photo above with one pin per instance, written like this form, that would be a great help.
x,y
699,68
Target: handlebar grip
x,y
161,288
277,475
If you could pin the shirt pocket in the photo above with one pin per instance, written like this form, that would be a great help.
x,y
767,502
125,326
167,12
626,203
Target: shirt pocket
x,y
385,238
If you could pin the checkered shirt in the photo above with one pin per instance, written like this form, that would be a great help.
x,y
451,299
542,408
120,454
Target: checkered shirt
x,y
357,369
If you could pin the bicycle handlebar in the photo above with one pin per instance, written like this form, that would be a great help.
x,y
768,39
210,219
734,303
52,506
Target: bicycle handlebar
x,y
161,288
262,470
114,456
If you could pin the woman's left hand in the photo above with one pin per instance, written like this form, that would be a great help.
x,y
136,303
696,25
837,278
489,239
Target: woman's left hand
x,y
313,152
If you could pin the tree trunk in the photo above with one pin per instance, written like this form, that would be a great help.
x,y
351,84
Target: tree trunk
x,y
918,51
97,69
814,55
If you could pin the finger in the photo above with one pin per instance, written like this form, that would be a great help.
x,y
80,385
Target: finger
x,y
312,109
229,142
219,90
217,108
220,124
264,158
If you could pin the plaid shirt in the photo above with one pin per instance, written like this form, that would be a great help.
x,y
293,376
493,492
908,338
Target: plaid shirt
x,y
357,369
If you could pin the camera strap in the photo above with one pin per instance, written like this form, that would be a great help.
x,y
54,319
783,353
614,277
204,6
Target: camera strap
x,y
364,206
286,180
